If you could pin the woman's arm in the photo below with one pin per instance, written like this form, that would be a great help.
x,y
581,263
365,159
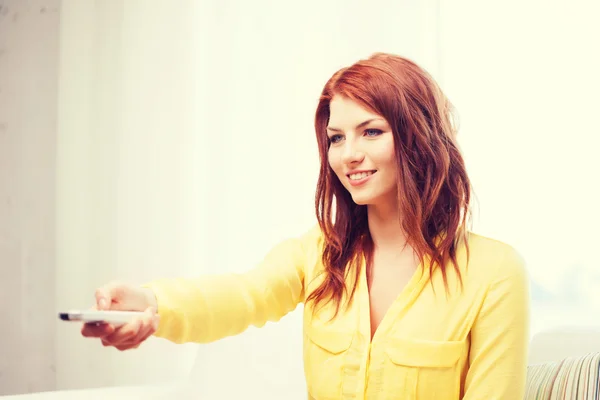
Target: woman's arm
x,y
500,336
209,308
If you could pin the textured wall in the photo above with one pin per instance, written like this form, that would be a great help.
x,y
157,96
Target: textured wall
x,y
29,32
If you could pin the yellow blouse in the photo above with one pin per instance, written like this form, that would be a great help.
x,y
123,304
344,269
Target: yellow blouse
x,y
432,344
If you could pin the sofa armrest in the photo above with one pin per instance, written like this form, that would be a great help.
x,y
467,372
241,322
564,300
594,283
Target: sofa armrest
x,y
561,342
114,393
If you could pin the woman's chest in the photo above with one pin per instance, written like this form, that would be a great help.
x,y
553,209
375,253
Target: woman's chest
x,y
386,281
420,347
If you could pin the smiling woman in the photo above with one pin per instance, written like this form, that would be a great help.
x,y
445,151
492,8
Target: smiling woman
x,y
402,301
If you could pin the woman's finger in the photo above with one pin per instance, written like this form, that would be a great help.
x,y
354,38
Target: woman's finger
x,y
124,347
97,330
144,334
107,294
124,333
145,328
148,327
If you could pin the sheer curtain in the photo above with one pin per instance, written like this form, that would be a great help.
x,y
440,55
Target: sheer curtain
x,y
130,166
524,78
186,146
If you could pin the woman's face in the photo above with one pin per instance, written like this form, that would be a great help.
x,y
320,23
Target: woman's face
x,y
361,152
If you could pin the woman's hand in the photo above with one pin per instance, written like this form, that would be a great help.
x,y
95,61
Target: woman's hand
x,y
124,297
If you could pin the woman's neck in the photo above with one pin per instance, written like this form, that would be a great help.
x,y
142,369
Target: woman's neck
x,y
385,227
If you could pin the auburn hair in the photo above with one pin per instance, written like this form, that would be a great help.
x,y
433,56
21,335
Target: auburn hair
x,y
434,190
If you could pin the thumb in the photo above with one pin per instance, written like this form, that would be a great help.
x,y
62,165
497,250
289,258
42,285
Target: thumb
x,y
105,295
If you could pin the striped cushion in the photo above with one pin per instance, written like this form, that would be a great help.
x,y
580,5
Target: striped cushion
x,y
569,379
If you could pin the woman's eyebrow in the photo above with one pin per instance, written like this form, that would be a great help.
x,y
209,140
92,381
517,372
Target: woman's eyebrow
x,y
330,128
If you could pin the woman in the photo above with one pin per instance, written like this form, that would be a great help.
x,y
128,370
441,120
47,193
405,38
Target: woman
x,y
401,300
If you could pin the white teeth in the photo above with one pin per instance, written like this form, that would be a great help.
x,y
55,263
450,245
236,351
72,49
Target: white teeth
x,y
360,175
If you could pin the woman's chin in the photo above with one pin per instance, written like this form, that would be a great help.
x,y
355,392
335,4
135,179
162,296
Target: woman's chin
x,y
370,199
362,200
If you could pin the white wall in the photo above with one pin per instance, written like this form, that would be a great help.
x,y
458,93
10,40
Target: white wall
x,y
28,87
128,207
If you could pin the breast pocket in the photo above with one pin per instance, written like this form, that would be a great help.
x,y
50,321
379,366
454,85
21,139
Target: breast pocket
x,y
419,369
324,357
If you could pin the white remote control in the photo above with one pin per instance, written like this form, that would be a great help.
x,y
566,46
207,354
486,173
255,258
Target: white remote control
x,y
116,318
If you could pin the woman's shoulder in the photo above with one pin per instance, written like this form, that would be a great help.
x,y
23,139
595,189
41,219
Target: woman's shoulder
x,y
312,242
306,243
314,234
492,258
483,243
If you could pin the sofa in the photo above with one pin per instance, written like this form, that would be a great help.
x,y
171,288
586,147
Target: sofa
x,y
563,365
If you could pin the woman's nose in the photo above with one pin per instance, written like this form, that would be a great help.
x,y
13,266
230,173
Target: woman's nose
x,y
352,154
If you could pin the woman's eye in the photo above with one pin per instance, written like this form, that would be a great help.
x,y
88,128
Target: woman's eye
x,y
335,138
373,132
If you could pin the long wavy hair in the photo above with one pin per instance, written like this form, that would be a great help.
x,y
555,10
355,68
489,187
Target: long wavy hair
x,y
434,190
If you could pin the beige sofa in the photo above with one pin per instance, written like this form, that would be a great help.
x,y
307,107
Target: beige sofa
x,y
563,365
